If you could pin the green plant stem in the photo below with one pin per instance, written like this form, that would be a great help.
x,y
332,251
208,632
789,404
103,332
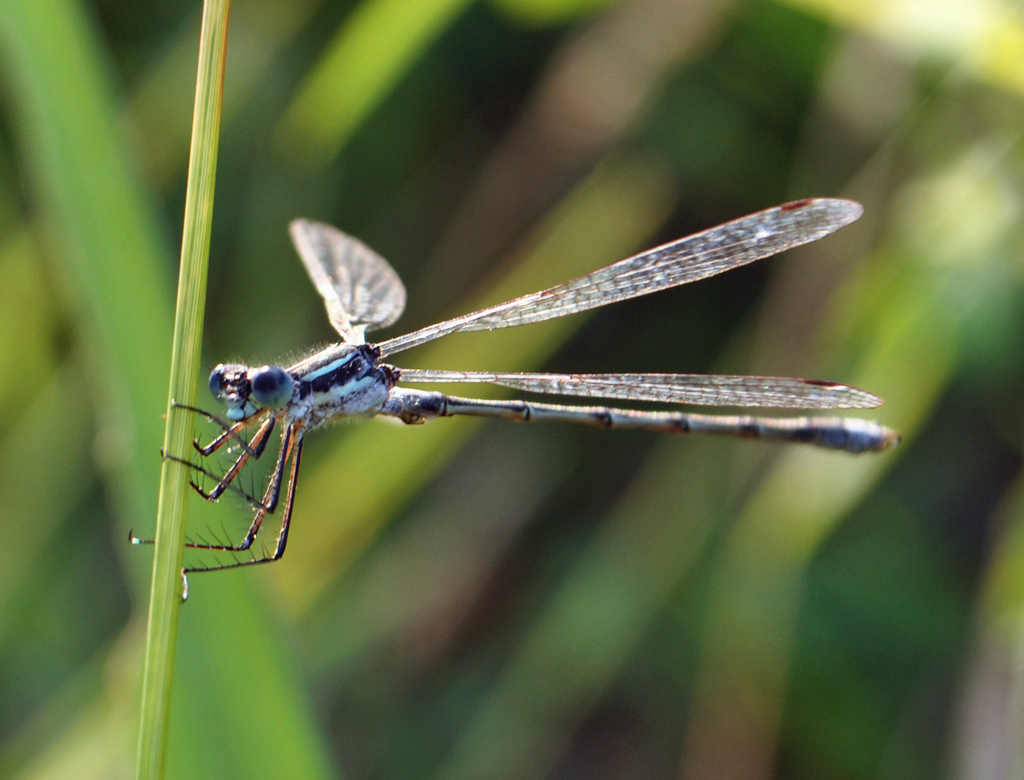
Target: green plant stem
x,y
166,587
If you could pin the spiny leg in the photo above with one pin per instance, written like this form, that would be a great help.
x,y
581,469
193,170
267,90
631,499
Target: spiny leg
x,y
256,503
230,430
286,519
234,432
269,503
260,438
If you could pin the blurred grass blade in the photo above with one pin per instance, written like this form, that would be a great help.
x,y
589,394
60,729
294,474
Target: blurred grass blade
x,y
905,307
41,482
987,39
581,637
99,233
28,320
373,49
100,705
101,238
990,712
165,592
158,110
746,654
550,12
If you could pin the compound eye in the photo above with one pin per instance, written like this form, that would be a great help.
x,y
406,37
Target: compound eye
x,y
217,382
271,386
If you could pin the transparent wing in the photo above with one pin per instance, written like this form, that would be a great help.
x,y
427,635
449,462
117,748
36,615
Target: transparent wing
x,y
696,257
702,389
360,290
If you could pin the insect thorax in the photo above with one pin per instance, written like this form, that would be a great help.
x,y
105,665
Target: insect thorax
x,y
345,381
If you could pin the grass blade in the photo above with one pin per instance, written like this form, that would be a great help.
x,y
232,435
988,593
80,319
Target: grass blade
x,y
166,584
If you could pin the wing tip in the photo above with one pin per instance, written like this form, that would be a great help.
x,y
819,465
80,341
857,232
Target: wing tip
x,y
298,224
853,397
841,210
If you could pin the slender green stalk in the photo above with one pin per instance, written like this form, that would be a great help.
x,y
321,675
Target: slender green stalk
x,y
166,588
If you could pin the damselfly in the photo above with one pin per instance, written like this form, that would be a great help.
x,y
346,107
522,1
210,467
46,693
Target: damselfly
x,y
362,293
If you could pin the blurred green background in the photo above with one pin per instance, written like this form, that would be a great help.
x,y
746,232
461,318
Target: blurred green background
x,y
489,600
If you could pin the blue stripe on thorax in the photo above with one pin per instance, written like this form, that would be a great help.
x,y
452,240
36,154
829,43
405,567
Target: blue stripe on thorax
x,y
330,367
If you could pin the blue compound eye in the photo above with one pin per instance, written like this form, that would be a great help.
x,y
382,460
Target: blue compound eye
x,y
217,382
271,386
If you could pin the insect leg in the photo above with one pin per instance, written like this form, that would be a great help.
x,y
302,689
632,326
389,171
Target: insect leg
x,y
267,505
286,519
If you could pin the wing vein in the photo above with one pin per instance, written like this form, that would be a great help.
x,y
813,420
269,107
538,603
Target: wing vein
x,y
696,257
697,389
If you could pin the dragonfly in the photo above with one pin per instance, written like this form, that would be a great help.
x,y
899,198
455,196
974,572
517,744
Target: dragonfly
x,y
350,379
